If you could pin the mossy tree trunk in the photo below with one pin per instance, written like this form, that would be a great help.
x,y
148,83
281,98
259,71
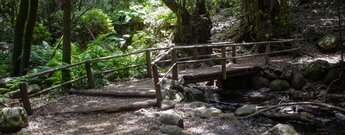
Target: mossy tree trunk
x,y
66,51
19,37
193,24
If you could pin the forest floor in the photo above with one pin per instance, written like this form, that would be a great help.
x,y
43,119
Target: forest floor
x,y
142,122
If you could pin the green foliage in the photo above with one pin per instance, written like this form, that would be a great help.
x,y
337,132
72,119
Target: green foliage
x,y
41,34
92,23
5,65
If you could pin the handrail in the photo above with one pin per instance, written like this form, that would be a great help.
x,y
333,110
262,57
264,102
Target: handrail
x,y
229,44
176,61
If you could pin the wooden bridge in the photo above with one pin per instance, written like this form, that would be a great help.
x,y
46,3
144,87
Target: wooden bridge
x,y
189,75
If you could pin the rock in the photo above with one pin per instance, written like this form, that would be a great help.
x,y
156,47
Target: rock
x,y
23,131
246,110
328,42
278,71
332,75
171,117
193,94
13,119
298,81
272,76
340,117
259,82
214,111
171,130
6,80
279,85
228,116
281,129
316,70
154,127
288,75
168,104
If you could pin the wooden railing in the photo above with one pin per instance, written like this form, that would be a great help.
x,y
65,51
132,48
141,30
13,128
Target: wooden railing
x,y
175,61
89,74
152,66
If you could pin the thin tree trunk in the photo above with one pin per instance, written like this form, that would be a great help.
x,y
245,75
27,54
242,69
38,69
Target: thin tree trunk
x,y
18,37
67,19
30,26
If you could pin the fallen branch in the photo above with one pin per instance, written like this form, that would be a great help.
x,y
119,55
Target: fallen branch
x,y
298,117
339,109
127,93
128,107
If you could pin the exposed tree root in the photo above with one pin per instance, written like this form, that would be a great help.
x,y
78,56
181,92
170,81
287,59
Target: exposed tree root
x,y
339,109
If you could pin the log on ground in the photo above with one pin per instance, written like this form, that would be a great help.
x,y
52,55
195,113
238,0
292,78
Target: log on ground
x,y
127,93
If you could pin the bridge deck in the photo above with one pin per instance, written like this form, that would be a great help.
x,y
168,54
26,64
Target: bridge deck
x,y
245,66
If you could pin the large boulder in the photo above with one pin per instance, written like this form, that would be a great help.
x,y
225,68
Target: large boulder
x,y
298,81
171,117
316,70
281,129
328,42
246,110
259,82
13,119
279,85
332,75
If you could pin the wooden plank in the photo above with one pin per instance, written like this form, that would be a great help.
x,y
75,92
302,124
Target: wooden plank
x,y
148,63
223,63
25,98
157,86
90,79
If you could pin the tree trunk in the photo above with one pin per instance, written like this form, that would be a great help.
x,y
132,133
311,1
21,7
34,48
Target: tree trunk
x,y
18,37
67,20
30,26
191,28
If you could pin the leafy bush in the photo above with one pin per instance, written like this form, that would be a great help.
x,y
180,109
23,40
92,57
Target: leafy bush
x,y
41,34
95,22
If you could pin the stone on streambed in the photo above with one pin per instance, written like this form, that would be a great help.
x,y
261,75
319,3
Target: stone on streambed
x,y
171,130
298,81
246,110
279,85
281,129
259,82
171,117
316,70
13,119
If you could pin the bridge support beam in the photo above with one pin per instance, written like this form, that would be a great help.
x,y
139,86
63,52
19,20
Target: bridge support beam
x,y
175,68
148,64
90,78
157,85
223,63
267,54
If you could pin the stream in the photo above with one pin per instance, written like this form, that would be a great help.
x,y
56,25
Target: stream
x,y
230,100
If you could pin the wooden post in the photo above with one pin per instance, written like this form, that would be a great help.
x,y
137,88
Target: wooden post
x,y
195,56
267,54
175,68
25,98
223,63
90,78
157,86
148,63
233,53
293,46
